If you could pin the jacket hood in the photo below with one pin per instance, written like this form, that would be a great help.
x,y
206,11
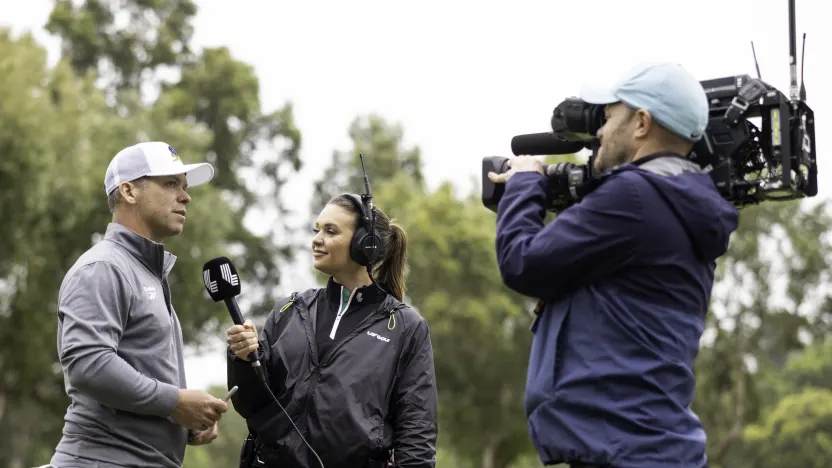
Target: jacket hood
x,y
707,218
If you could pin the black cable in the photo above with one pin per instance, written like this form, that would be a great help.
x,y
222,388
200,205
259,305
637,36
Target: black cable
x,y
262,374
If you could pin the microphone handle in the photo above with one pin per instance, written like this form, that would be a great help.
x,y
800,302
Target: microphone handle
x,y
237,318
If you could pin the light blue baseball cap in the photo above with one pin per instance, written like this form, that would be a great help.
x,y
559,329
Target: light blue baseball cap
x,y
672,95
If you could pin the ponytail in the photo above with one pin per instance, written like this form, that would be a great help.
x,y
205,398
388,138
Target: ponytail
x,y
390,272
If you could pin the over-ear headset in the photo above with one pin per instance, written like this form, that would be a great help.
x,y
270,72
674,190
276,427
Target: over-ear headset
x,y
365,246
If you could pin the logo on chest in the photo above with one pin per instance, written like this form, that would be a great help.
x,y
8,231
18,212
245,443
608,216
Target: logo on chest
x,y
378,337
150,292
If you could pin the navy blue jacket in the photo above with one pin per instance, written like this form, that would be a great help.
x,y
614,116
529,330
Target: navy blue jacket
x,y
626,277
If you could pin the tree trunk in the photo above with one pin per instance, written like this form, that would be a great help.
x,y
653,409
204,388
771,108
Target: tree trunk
x,y
17,429
488,455
489,452
18,449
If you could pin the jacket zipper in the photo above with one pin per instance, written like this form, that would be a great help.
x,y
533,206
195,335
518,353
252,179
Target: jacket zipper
x,y
342,309
363,325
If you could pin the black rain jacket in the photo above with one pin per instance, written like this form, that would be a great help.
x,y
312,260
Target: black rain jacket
x,y
374,390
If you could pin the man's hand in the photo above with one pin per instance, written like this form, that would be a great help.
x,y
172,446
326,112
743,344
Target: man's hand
x,y
519,164
204,437
198,410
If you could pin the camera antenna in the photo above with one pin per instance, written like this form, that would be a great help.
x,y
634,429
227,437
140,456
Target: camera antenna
x,y
792,53
756,63
802,65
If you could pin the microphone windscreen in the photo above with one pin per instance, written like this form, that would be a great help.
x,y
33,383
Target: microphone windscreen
x,y
221,279
538,144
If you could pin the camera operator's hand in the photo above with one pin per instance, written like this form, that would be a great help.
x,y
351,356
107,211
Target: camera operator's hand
x,y
519,164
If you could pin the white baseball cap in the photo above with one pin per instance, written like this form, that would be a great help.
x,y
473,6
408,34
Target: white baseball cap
x,y
153,158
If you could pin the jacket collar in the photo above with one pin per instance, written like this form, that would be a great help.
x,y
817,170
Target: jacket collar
x,y
149,253
365,295
668,164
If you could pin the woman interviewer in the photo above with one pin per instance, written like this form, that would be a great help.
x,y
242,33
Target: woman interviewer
x,y
351,363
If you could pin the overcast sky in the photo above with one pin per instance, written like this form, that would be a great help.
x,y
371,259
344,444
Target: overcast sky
x,y
464,77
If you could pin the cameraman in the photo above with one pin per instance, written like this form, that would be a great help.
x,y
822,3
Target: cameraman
x,y
624,277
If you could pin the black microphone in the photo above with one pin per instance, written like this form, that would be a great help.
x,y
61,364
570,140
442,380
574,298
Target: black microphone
x,y
536,144
223,284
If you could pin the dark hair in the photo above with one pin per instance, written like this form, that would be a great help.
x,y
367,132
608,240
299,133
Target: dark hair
x,y
389,270
114,197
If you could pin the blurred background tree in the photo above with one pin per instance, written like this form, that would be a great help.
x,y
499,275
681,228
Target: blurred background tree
x,y
763,374
60,126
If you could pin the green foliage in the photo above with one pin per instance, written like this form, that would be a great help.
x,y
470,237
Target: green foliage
x,y
795,425
778,245
478,328
798,432
130,44
150,34
384,157
763,375
65,208
810,369
59,128
222,95
42,173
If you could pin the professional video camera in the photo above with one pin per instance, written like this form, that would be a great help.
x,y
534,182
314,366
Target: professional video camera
x,y
748,164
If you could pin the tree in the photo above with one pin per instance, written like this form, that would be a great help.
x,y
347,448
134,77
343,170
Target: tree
x,y
52,181
384,156
128,45
797,429
221,94
28,154
798,432
479,329
65,210
150,34
748,333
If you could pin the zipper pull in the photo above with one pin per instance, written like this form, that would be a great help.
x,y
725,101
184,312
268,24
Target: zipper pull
x,y
286,306
391,322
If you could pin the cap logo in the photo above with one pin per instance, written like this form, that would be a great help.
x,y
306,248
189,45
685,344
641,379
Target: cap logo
x,y
173,154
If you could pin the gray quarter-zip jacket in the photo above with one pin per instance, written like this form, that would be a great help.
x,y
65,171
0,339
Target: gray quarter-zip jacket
x,y
120,346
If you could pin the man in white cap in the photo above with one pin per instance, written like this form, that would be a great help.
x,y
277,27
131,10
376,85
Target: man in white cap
x,y
624,278
119,339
